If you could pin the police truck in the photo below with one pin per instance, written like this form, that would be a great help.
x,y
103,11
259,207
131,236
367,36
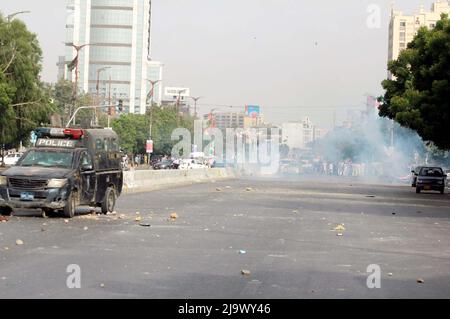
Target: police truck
x,y
66,168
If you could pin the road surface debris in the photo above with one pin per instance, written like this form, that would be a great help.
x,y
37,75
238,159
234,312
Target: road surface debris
x,y
339,228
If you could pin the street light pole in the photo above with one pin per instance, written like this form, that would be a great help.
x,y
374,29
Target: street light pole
x,y
98,91
11,16
152,90
195,103
77,48
150,108
150,96
179,98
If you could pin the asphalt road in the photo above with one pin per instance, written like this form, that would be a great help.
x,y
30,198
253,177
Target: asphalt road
x,y
284,228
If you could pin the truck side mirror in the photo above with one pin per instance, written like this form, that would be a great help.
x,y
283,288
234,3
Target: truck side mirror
x,y
87,167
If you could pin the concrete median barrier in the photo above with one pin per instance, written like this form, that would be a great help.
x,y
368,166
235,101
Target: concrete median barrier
x,y
147,180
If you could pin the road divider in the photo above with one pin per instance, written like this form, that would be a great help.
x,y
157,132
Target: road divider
x,y
147,180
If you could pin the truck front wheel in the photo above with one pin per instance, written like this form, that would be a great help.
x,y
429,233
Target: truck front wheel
x,y
69,209
109,202
4,211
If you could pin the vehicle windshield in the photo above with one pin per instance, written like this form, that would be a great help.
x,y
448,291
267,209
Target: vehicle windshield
x,y
434,172
47,158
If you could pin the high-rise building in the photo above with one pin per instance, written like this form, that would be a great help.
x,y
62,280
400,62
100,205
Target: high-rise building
x,y
118,34
403,28
297,135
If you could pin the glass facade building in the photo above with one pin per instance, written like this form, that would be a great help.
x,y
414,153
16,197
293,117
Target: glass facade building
x,y
119,36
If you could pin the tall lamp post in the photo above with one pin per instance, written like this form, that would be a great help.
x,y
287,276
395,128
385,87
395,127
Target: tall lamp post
x,y
11,16
195,103
151,96
98,90
179,98
74,65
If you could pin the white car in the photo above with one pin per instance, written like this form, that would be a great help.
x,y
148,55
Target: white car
x,y
191,164
12,159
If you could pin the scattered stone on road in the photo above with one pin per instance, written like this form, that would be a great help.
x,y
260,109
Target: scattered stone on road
x,y
19,242
420,281
339,227
245,272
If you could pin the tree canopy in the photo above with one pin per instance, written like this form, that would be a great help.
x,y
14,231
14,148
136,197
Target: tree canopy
x,y
24,99
418,95
133,129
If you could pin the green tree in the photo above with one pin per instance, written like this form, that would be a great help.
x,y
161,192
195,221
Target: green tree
x,y
62,94
418,95
165,121
133,130
24,99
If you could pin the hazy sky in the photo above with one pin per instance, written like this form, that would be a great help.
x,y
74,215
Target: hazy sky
x,y
292,57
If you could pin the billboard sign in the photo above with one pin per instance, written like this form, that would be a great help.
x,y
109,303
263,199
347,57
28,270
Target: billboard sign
x,y
177,91
252,111
149,147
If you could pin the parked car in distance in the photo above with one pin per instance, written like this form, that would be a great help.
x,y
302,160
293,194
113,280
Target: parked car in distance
x,y
216,164
164,164
12,159
191,164
176,164
431,178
